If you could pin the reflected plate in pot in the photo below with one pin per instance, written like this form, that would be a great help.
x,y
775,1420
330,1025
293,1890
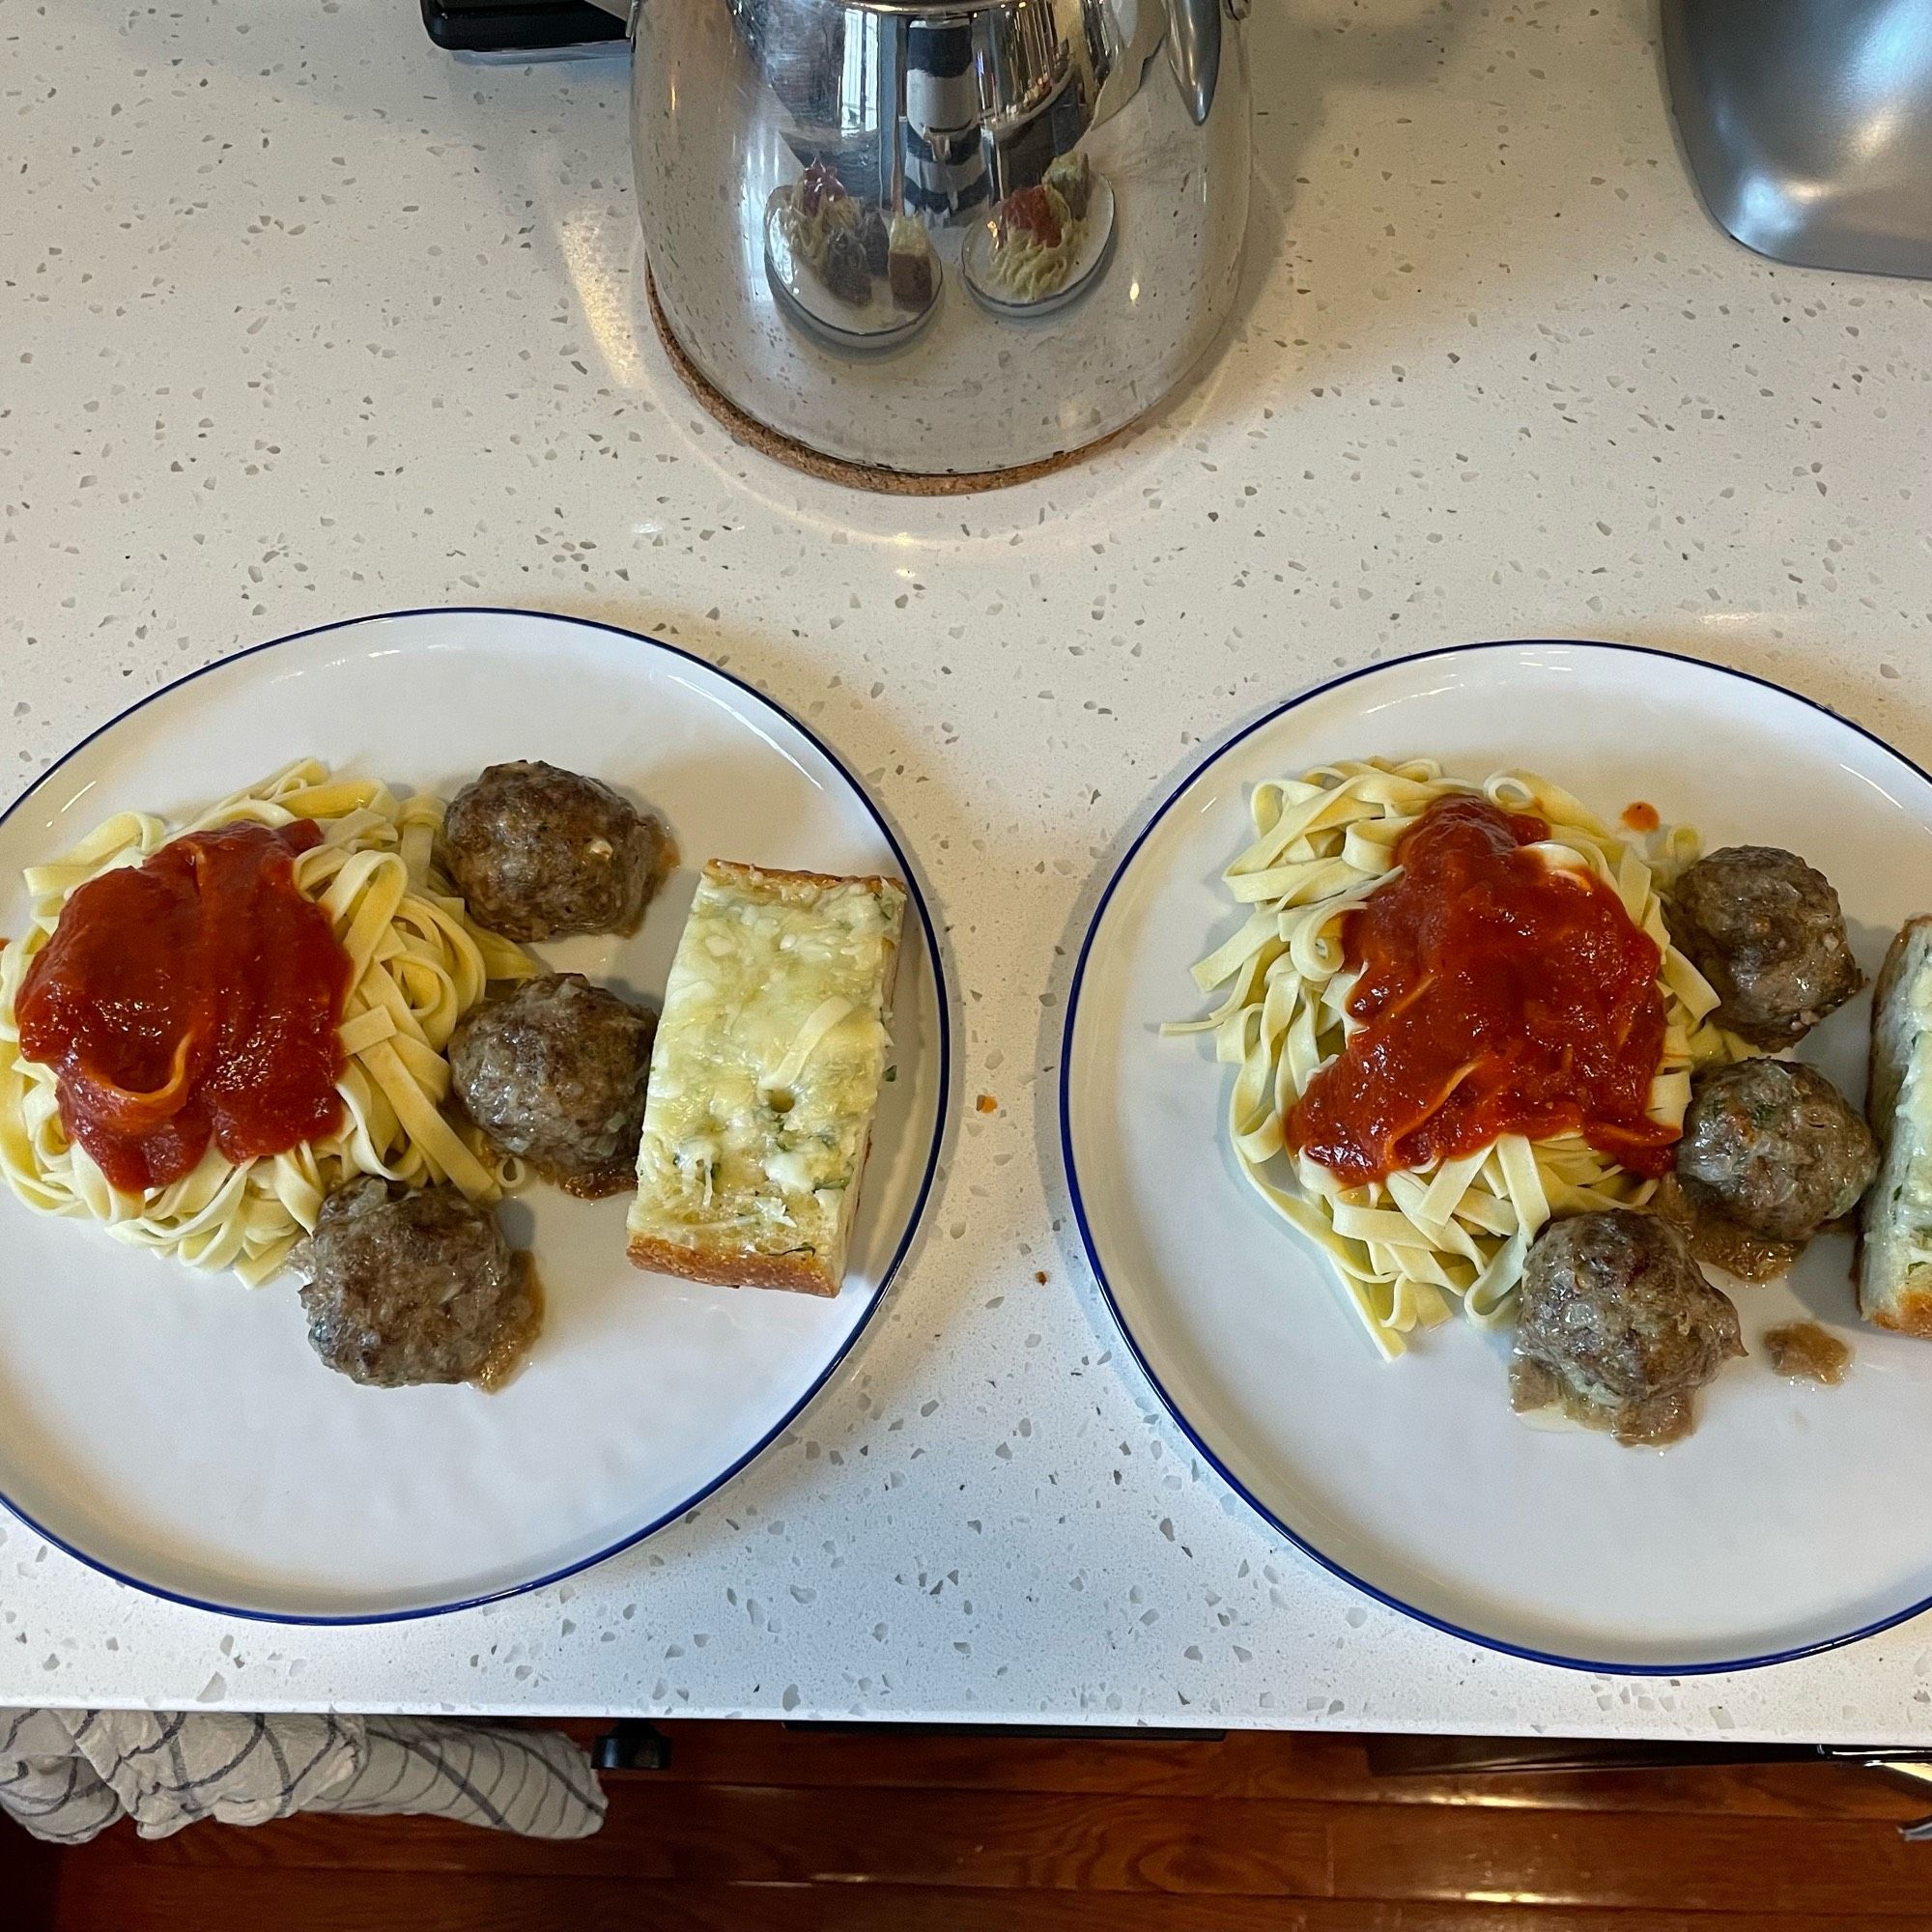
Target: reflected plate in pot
x,y
878,323
1096,245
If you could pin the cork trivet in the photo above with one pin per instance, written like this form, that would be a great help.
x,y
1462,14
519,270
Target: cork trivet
x,y
787,449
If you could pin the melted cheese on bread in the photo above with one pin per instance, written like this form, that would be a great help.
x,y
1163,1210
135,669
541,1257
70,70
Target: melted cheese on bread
x,y
765,1076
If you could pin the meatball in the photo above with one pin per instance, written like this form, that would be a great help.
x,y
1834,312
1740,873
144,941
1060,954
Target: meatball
x,y
1777,1146
555,1074
414,1288
539,853
1614,1318
1766,931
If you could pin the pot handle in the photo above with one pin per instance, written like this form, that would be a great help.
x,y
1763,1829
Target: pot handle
x,y
1194,52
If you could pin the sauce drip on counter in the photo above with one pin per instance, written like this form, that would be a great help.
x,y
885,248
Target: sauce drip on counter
x,y
1497,995
193,997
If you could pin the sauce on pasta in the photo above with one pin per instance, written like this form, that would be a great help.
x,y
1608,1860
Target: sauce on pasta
x,y
1031,212
1497,995
193,997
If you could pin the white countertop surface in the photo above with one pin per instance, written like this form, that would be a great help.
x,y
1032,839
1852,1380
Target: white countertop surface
x,y
300,319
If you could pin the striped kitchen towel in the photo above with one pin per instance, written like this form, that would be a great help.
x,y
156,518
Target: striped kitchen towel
x,y
67,1774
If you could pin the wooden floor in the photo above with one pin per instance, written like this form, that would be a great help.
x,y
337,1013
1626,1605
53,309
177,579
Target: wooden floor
x,y
756,1829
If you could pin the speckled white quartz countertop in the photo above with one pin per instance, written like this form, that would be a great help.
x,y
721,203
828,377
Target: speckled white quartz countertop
x,y
299,318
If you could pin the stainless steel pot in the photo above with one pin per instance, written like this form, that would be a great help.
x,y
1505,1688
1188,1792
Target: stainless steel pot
x,y
825,196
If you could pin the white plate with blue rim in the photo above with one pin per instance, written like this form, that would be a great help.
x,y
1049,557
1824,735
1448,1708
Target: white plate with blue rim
x,y
175,1429
1784,1524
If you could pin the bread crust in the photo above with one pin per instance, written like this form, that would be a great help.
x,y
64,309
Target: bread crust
x,y
731,1271
1894,955
1909,1314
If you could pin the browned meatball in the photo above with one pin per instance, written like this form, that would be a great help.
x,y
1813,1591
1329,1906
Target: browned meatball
x,y
1613,1316
1777,1146
1766,931
413,1287
539,853
555,1074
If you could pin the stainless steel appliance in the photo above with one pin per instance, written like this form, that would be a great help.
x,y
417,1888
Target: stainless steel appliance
x,y
756,122
1808,126
924,243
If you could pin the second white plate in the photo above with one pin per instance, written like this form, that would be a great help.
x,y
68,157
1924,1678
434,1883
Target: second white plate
x,y
175,1429
1784,1524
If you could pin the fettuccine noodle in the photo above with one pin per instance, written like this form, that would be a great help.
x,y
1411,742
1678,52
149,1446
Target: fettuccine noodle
x,y
417,965
1455,1233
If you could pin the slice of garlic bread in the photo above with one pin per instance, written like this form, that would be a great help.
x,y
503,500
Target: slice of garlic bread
x,y
1895,1247
765,1077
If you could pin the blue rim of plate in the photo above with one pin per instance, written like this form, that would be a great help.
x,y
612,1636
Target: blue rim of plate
x,y
942,992
1300,1542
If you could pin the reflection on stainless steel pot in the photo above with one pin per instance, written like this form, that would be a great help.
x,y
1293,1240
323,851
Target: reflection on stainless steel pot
x,y
946,169
812,175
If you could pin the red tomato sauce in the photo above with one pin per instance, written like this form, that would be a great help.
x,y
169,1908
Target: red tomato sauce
x,y
193,997
1497,996
1029,210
